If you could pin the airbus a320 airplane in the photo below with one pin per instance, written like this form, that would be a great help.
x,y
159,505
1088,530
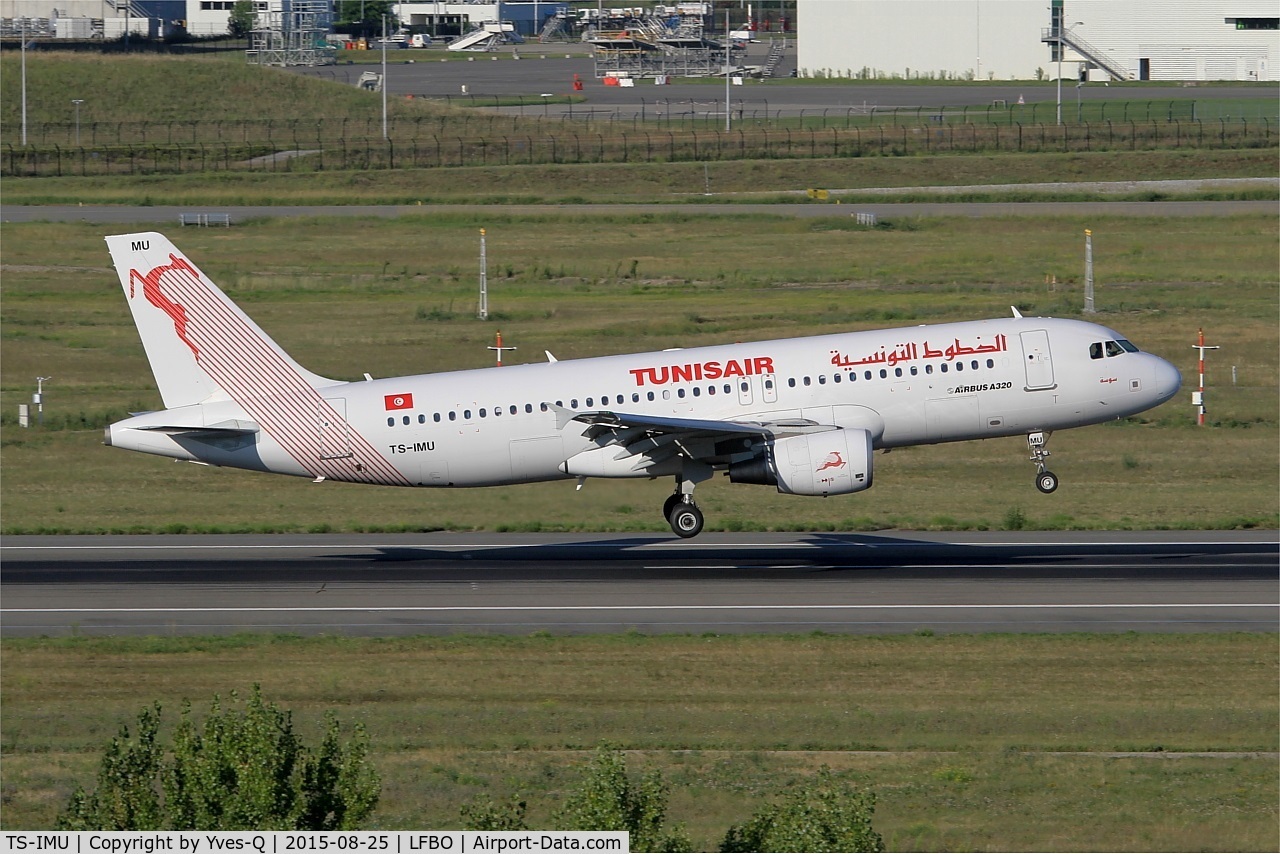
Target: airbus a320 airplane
x,y
801,414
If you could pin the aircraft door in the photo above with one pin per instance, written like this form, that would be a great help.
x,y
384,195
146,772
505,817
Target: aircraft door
x,y
744,391
1037,359
333,434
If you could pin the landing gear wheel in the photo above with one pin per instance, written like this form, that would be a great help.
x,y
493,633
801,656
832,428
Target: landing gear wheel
x,y
686,520
1046,482
670,504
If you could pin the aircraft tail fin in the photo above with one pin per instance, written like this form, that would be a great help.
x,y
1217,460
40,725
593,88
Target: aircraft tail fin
x,y
200,344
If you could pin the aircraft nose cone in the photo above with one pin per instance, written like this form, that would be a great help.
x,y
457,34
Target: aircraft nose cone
x,y
1167,379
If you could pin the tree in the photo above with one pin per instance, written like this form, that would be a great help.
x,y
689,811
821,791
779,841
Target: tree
x,y
242,18
824,815
609,800
242,769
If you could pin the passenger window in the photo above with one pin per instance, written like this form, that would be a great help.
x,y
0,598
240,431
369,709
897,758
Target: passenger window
x,y
791,383
866,375
822,379
914,370
635,397
391,422
697,392
928,369
836,378
589,402
959,366
543,406
406,419
436,418
650,395
991,363
422,419
528,407
497,411
453,416
711,389
482,412
680,393
943,367
883,373
897,372
573,404
466,414
806,381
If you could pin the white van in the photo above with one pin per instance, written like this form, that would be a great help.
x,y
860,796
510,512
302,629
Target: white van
x,y
420,40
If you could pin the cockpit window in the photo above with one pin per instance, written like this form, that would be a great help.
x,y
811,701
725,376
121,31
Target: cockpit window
x,y
1128,346
1095,350
1114,349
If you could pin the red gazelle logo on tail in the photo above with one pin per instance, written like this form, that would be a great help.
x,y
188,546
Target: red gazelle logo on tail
x,y
155,296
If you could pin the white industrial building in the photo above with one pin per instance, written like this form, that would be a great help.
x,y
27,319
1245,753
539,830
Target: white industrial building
x,y
444,18
1174,40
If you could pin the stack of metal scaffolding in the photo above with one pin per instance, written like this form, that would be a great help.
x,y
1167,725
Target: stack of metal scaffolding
x,y
292,32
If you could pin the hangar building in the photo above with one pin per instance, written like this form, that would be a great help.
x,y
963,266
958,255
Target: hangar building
x,y
1019,39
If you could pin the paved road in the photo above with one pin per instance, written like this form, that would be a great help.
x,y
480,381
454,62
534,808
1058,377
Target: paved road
x,y
127,214
469,583
545,69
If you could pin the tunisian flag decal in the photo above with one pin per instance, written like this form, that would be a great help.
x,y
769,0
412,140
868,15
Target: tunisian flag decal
x,y
398,401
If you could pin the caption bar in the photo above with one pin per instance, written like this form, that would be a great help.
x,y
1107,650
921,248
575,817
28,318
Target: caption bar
x,y
310,841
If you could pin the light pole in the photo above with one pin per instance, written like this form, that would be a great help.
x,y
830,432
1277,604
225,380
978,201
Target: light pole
x,y
1079,108
77,102
1069,29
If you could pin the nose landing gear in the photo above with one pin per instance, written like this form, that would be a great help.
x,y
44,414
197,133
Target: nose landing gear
x,y
1046,481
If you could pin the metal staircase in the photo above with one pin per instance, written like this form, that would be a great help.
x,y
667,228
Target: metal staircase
x,y
776,50
1095,57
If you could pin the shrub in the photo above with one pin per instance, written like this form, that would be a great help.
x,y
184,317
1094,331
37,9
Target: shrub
x,y
242,769
824,815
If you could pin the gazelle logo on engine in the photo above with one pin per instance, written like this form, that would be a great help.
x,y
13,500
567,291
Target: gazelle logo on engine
x,y
833,461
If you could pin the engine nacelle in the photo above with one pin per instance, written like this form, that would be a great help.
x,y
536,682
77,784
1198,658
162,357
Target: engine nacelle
x,y
836,462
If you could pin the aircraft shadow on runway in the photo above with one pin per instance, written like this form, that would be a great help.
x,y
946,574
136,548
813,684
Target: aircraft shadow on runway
x,y
850,556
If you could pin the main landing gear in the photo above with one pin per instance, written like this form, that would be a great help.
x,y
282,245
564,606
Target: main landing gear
x,y
679,510
1046,481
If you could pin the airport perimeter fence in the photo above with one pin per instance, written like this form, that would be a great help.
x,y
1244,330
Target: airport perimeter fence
x,y
525,115
587,145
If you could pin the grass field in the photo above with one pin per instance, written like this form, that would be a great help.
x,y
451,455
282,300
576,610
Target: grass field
x,y
970,743
398,297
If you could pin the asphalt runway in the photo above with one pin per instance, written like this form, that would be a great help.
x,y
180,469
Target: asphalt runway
x,y
573,584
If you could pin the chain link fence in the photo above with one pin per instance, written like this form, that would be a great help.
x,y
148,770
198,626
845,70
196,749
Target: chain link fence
x,y
194,147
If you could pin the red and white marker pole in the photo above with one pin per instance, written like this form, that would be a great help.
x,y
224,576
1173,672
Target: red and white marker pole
x,y
1197,398
500,348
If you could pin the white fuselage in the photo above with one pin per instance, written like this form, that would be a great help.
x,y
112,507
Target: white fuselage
x,y
492,426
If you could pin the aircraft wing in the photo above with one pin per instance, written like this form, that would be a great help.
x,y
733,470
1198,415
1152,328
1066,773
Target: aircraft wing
x,y
640,442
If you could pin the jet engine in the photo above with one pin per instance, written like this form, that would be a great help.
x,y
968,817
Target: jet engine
x,y
836,462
